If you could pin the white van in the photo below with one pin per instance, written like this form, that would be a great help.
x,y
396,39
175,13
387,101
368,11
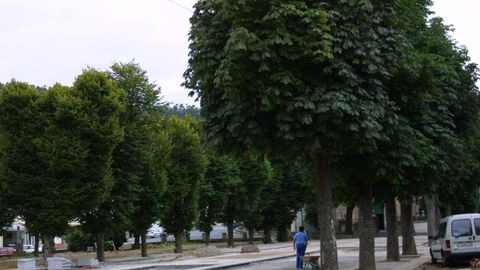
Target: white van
x,y
458,239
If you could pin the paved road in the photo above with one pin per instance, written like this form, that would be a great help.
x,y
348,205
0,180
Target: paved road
x,y
347,257
289,264
344,263
273,256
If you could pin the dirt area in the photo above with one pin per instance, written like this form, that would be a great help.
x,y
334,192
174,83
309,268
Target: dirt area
x,y
206,252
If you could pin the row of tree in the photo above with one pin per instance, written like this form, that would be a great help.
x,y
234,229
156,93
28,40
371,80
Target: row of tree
x,y
108,154
375,93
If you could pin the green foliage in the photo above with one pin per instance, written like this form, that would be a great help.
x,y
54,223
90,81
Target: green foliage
x,y
311,216
423,149
296,76
254,172
102,105
254,93
7,216
143,96
153,181
78,240
285,193
284,235
20,163
214,190
436,93
187,164
252,66
136,172
58,144
235,188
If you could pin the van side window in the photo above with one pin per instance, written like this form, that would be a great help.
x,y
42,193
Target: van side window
x,y
461,227
477,226
442,230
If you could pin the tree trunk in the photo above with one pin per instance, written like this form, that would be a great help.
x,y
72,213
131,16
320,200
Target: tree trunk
x,y
178,242
207,238
136,241
393,251
324,203
267,236
251,238
37,244
431,206
47,247
367,233
143,237
100,247
408,232
230,235
438,215
349,220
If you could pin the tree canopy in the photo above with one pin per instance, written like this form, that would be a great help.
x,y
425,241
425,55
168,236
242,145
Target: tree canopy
x,y
187,164
58,144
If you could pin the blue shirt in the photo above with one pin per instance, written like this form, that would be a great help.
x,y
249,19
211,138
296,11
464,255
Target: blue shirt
x,y
300,238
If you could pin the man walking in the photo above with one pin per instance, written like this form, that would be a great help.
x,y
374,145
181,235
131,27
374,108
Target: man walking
x,y
300,241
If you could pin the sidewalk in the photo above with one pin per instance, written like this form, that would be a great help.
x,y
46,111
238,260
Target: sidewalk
x,y
347,254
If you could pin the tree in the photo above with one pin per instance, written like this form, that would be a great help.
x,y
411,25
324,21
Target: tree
x,y
187,165
258,51
235,188
153,184
345,194
254,175
283,196
429,89
59,142
273,74
133,160
213,192
7,216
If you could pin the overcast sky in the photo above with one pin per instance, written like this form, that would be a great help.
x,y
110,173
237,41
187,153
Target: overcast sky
x,y
48,41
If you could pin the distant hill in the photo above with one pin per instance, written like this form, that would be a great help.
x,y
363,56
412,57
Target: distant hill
x,y
181,110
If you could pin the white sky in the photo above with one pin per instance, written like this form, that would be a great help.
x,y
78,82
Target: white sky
x,y
48,41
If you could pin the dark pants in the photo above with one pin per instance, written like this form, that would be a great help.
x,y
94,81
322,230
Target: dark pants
x,y
300,252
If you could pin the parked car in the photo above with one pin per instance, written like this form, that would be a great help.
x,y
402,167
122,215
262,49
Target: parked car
x,y
219,232
458,239
7,251
154,232
28,248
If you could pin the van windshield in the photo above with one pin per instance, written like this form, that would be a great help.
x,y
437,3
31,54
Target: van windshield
x,y
461,227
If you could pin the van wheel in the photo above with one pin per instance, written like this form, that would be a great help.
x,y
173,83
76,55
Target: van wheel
x,y
446,261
